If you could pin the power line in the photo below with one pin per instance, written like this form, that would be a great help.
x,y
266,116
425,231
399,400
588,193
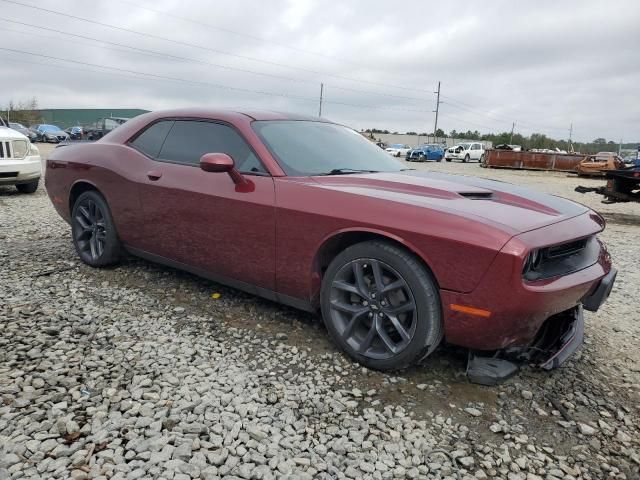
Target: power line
x,y
493,116
208,84
466,121
209,49
156,53
235,32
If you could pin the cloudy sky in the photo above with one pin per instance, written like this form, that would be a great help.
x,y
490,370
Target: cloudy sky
x,y
543,64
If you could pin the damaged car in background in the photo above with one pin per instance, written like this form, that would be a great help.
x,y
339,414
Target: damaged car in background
x,y
20,162
395,260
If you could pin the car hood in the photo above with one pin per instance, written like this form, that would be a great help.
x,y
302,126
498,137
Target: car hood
x,y
55,133
509,207
10,134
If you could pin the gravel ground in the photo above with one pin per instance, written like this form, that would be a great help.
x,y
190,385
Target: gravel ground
x,y
139,372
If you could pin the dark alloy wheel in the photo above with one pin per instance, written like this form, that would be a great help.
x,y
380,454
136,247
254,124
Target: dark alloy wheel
x,y
93,231
381,306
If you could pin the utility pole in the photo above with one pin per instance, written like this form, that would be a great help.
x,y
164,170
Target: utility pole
x,y
513,125
321,89
570,135
435,128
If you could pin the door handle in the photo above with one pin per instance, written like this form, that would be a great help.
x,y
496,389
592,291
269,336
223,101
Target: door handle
x,y
154,175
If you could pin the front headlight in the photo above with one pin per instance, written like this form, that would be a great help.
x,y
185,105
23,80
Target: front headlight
x,y
33,150
19,148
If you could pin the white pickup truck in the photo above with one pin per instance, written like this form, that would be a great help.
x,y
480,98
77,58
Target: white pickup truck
x,y
20,162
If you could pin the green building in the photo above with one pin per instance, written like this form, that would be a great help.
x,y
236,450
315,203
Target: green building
x,y
69,117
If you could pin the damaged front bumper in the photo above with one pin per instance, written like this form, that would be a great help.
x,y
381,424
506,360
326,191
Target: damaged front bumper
x,y
559,337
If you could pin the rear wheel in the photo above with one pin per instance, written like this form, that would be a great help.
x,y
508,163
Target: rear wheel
x,y
482,158
30,187
93,230
381,306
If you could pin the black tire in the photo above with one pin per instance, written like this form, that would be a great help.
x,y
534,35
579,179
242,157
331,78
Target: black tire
x,y
382,333
481,161
466,158
448,159
30,187
94,233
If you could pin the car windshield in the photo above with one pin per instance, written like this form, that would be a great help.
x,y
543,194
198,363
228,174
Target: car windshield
x,y
465,145
48,128
305,148
15,125
396,145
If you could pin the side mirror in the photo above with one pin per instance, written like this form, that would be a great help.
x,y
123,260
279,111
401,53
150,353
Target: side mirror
x,y
223,163
217,163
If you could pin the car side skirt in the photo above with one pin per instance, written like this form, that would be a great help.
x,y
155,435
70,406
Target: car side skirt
x,y
294,302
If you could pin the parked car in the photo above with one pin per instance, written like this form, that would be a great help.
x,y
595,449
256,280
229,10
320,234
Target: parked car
x,y
103,126
49,133
20,162
18,127
425,153
598,164
466,152
398,149
394,259
506,146
75,133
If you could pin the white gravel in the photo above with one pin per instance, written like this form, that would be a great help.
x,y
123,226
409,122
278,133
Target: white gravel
x,y
137,372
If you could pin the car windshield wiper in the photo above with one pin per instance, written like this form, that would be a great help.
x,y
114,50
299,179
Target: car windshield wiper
x,y
347,171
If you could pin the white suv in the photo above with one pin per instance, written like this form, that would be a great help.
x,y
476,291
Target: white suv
x,y
398,149
20,162
465,152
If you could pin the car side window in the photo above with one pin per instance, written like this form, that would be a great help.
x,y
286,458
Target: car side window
x,y
188,140
150,140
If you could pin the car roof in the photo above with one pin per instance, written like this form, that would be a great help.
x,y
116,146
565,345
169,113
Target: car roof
x,y
123,133
222,114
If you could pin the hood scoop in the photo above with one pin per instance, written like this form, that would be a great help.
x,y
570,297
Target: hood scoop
x,y
477,195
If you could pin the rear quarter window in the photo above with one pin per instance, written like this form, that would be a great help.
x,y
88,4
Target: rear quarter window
x,y
150,141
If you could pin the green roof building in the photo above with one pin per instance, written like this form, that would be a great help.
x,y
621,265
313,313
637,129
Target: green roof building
x,y
69,117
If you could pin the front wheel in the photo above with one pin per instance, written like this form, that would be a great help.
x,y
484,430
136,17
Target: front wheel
x,y
381,306
93,230
466,158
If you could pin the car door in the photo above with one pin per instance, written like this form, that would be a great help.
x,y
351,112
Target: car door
x,y
201,219
475,151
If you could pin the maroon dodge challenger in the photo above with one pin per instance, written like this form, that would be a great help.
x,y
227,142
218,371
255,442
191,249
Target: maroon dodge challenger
x,y
309,213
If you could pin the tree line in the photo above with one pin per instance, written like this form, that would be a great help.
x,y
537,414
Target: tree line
x,y
535,140
25,112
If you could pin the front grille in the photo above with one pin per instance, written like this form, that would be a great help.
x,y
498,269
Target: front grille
x,y
562,259
8,174
5,149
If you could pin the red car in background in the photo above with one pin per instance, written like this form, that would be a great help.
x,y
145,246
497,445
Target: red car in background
x,y
311,214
